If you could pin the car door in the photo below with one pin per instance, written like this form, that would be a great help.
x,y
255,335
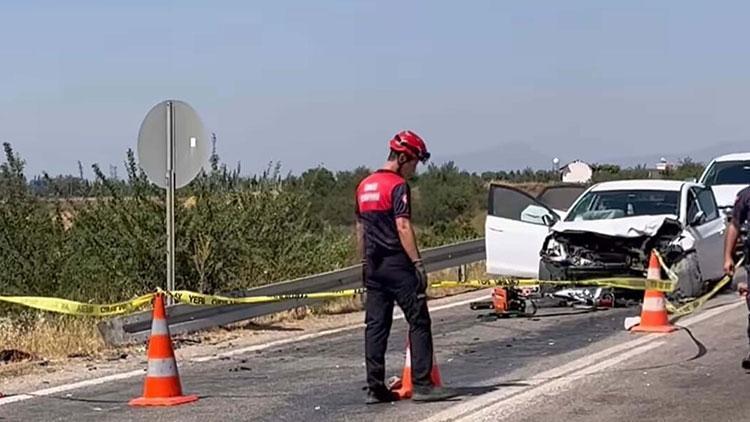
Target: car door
x,y
515,229
707,227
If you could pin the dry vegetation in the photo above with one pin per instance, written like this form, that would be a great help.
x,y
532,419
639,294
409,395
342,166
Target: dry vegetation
x,y
43,337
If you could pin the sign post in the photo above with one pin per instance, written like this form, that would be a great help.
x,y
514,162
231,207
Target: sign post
x,y
172,150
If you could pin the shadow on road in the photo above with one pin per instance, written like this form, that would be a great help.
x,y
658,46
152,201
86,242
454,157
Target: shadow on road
x,y
82,400
267,327
478,391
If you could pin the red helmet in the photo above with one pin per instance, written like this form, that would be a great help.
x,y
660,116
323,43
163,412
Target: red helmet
x,y
411,144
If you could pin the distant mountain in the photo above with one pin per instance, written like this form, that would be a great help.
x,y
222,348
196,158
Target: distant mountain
x,y
701,155
518,156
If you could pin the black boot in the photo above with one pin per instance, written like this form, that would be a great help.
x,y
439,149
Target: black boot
x,y
380,395
746,363
430,394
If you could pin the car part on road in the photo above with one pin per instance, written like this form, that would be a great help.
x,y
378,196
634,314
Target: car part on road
x,y
507,302
591,298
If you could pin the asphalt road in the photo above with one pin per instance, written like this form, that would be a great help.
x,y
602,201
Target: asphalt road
x,y
668,384
559,366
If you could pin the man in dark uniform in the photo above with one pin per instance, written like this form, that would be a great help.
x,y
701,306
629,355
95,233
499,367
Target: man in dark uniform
x,y
740,214
393,270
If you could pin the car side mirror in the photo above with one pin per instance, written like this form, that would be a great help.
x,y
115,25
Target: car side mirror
x,y
548,220
698,219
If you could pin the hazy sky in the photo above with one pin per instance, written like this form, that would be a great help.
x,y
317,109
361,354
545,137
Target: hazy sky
x,y
328,82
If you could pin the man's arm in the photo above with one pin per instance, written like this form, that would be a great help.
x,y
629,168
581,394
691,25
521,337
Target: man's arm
x,y
739,215
409,242
408,238
360,234
402,213
730,241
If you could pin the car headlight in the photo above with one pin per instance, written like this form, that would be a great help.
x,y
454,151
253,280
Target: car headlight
x,y
554,249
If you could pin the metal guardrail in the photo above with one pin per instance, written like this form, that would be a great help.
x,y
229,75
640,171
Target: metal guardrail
x,y
135,328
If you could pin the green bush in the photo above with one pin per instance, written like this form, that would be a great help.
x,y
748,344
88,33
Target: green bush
x,y
30,235
229,236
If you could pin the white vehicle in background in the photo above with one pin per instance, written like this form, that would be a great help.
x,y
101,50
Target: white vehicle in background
x,y
608,231
726,176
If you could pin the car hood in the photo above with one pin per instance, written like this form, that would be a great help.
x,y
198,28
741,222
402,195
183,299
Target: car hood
x,y
628,227
725,194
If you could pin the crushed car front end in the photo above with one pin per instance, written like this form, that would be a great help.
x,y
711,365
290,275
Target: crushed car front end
x,y
575,254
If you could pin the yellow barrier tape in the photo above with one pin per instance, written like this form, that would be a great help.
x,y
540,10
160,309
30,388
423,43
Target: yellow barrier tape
x,y
200,299
692,306
71,307
621,283
671,274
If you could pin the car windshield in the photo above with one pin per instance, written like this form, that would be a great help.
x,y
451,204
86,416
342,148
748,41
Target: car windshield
x,y
608,205
728,173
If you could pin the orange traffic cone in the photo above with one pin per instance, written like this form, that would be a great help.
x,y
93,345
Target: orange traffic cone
x,y
405,387
654,318
162,386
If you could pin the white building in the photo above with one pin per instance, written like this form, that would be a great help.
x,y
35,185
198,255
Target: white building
x,y
664,165
576,172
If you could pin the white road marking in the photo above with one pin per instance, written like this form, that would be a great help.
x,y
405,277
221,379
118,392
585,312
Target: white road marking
x,y
142,372
474,409
74,386
518,402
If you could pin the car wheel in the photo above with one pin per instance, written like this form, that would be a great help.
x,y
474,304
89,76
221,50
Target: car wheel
x,y
689,278
544,273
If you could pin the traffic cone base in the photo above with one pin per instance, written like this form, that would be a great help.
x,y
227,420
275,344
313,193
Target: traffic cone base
x,y
660,329
403,388
166,401
162,386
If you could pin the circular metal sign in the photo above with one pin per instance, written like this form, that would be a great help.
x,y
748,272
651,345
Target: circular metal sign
x,y
190,143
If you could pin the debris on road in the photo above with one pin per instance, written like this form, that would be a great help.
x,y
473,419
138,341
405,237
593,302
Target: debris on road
x,y
507,302
631,322
13,356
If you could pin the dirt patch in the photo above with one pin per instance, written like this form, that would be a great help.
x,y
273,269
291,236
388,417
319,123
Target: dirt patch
x,y
13,356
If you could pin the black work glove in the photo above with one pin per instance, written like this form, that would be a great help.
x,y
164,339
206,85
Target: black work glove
x,y
421,274
363,296
364,272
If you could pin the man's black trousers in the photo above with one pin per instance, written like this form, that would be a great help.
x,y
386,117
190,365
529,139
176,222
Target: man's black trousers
x,y
392,279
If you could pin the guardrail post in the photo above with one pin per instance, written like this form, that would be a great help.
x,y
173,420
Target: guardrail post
x,y
462,272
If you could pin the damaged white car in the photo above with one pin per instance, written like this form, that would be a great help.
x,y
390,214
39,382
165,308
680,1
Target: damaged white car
x,y
608,231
